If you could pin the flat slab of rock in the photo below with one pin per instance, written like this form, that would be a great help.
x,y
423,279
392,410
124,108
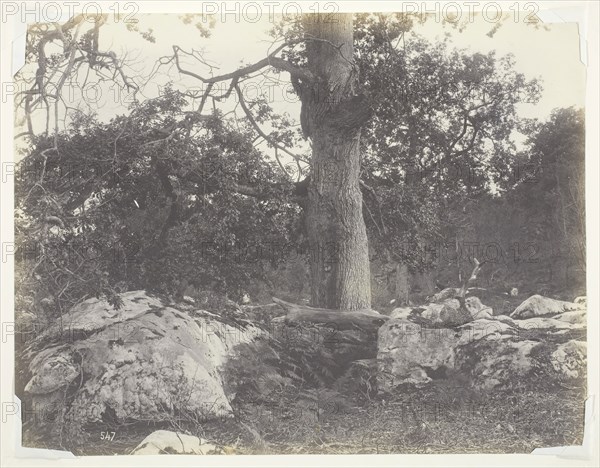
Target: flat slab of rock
x,y
537,306
168,442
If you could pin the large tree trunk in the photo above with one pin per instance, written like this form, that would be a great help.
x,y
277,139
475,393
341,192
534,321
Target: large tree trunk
x,y
332,116
402,288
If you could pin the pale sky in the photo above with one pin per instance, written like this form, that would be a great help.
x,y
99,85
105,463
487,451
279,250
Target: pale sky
x,y
550,52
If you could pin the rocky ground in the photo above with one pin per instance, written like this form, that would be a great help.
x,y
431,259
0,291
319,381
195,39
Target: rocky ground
x,y
431,420
154,377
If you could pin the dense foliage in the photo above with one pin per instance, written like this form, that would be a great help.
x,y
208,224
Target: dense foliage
x,y
163,198
122,206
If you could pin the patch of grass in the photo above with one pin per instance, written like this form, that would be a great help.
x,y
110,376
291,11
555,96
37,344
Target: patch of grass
x,y
441,418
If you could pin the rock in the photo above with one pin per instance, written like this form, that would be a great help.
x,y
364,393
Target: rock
x,y
574,317
53,372
493,362
405,349
447,293
477,309
569,359
145,361
168,442
401,312
548,324
581,300
491,353
506,319
537,305
447,313
453,314
542,342
417,377
189,300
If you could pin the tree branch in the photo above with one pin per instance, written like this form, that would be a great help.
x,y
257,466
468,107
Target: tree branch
x,y
371,190
473,277
263,134
271,60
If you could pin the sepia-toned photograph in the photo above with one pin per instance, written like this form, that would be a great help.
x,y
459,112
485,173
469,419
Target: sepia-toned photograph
x,y
293,228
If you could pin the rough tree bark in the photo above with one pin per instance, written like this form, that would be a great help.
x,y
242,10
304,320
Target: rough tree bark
x,y
333,112
332,115
402,287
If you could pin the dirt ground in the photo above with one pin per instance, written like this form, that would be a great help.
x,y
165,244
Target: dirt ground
x,y
441,418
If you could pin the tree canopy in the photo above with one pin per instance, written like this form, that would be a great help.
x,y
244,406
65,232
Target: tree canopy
x,y
168,193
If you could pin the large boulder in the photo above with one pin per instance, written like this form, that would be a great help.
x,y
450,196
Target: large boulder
x,y
491,352
405,354
537,306
143,361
